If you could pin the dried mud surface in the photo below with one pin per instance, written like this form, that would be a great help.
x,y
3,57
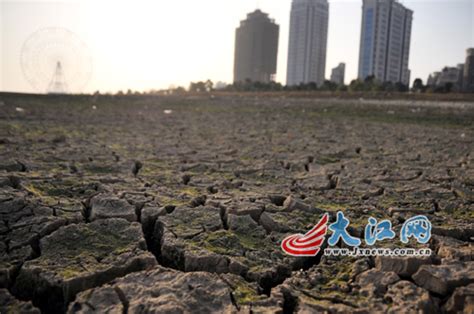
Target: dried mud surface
x,y
179,204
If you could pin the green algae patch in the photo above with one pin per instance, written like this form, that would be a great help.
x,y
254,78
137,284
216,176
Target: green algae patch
x,y
191,191
245,294
229,243
460,213
324,160
222,242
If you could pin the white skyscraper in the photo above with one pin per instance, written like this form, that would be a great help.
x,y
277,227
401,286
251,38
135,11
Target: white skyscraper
x,y
385,41
308,42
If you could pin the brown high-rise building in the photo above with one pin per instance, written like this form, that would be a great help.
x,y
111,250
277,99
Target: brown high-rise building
x,y
468,79
256,48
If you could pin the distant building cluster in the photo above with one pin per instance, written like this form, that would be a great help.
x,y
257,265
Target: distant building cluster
x,y
458,79
383,53
384,44
337,74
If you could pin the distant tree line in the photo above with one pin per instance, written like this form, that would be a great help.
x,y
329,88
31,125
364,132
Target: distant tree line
x,y
418,87
369,84
197,87
248,85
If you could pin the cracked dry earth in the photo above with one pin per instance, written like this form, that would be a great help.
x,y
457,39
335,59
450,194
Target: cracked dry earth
x,y
125,208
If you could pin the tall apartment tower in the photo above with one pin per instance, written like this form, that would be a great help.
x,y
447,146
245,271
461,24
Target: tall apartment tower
x,y
385,41
256,48
308,42
468,79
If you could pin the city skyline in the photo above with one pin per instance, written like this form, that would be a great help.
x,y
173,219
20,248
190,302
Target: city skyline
x,y
153,50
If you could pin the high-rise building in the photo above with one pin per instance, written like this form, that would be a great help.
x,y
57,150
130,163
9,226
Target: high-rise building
x,y
337,74
256,48
308,42
468,79
385,41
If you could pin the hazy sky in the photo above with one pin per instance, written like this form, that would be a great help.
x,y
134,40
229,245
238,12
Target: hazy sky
x,y
145,45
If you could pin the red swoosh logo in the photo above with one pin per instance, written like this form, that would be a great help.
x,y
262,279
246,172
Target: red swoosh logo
x,y
308,244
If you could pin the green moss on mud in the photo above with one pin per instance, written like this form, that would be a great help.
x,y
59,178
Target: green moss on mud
x,y
244,294
229,243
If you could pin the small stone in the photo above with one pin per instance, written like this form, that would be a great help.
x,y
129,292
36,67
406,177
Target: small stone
x,y
270,225
198,201
186,178
212,189
277,200
292,204
246,208
373,193
59,139
334,182
73,168
136,167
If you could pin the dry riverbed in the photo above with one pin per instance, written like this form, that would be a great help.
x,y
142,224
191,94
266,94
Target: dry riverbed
x,y
179,204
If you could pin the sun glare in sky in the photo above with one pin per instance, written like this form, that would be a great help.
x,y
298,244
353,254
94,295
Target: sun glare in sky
x,y
143,45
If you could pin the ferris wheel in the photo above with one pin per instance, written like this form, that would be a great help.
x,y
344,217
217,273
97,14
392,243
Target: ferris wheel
x,y
55,60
